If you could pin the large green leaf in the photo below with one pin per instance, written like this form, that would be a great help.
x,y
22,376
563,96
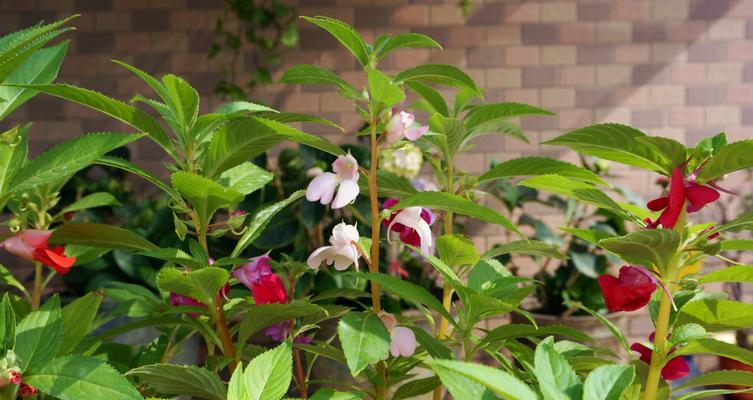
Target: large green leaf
x,y
206,196
451,130
557,379
403,40
202,285
431,96
77,320
313,75
67,158
364,340
330,394
109,106
260,221
496,127
647,247
517,331
388,185
382,90
38,336
498,381
183,101
717,315
81,378
18,46
728,377
737,244
527,247
533,166
439,73
264,315
128,166
460,385
489,112
176,380
457,204
98,199
12,159
716,347
735,273
345,34
301,137
456,250
268,375
614,142
40,67
7,324
673,151
238,141
608,382
732,157
416,387
100,235
245,178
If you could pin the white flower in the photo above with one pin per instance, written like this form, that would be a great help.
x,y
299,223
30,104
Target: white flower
x,y
400,126
411,217
322,188
343,250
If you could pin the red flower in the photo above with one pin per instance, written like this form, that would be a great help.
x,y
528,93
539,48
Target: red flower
x,y
31,245
269,289
15,377
674,369
681,191
628,292
26,391
397,270
408,235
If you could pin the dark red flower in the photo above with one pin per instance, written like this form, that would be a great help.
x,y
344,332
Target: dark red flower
x,y
681,191
26,391
408,235
674,369
15,377
628,292
31,245
269,289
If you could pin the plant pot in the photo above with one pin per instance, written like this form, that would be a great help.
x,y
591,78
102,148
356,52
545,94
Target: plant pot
x,y
730,364
586,324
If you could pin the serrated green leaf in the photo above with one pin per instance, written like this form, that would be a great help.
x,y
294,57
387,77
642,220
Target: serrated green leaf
x,y
364,340
388,185
490,112
404,40
99,199
81,378
38,336
716,347
608,382
264,315
313,75
183,101
67,158
533,166
12,159
729,377
129,167
383,90
456,250
206,196
100,235
268,375
732,157
416,388
439,73
6,278
77,319
201,285
260,221
345,34
673,151
499,382
717,315
557,379
176,380
735,273
432,97
517,331
18,46
330,394
654,247
238,141
245,178
7,324
527,247
301,137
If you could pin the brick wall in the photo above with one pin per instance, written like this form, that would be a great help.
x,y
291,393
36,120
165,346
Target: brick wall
x,y
682,68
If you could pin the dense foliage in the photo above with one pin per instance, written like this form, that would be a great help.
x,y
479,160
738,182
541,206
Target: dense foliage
x,y
267,319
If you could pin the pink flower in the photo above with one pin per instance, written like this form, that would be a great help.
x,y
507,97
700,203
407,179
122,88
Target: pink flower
x,y
400,126
682,191
26,391
674,369
31,245
279,332
628,292
344,180
15,377
251,272
413,224
403,342
343,249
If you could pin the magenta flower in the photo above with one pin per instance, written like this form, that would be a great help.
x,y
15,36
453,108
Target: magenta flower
x,y
253,271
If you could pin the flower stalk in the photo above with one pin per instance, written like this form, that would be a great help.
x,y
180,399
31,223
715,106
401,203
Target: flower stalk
x,y
376,303
447,290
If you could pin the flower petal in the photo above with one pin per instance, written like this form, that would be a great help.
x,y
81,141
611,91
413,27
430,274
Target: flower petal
x,y
319,256
658,204
346,194
322,188
415,133
699,195
403,342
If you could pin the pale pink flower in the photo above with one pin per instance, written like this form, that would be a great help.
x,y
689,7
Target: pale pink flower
x,y
343,249
344,180
403,342
401,126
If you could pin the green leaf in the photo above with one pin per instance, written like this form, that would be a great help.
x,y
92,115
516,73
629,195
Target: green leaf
x,y
313,75
153,83
728,377
744,221
67,158
496,127
77,319
499,382
245,178
109,106
614,142
129,167
432,97
268,376
716,347
330,394
18,46
364,340
613,329
41,67
263,315
99,199
301,137
388,185
345,34
383,91
260,221
439,73
201,285
456,250
100,235
687,332
608,382
556,377
407,291
490,112
533,166
589,235
432,345
7,324
578,190
518,331
451,128
6,278
647,247
236,388
737,244
38,336
732,157
12,159
176,380
238,141
717,315
527,247
183,101
404,40
206,196
735,273
243,106
81,378
457,204
416,388
673,151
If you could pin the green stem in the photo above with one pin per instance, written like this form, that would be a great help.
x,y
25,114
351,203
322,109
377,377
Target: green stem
x,y
447,290
36,295
376,304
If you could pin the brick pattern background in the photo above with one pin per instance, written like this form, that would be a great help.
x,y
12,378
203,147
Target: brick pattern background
x,y
682,68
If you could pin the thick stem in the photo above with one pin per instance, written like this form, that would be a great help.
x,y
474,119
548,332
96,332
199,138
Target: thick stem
x,y
660,345
36,295
376,303
299,374
447,290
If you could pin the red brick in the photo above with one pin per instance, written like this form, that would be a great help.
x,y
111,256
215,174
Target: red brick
x,y
411,15
686,116
688,73
522,12
634,10
132,42
578,32
465,36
